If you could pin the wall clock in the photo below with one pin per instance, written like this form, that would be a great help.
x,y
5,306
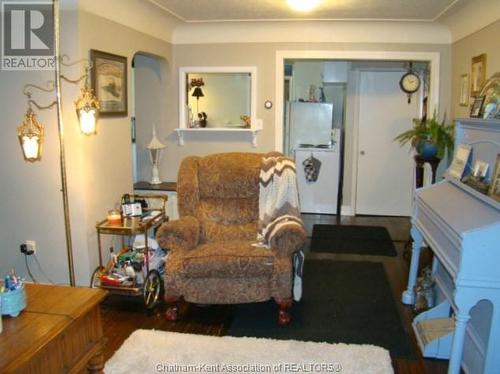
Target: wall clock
x,y
410,83
268,104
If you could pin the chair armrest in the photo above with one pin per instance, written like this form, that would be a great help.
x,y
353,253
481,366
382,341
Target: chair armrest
x,y
180,234
288,240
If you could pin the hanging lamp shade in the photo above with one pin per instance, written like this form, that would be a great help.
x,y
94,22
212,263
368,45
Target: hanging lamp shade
x,y
30,134
87,110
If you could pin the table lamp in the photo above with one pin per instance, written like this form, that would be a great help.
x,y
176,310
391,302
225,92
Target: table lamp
x,y
155,147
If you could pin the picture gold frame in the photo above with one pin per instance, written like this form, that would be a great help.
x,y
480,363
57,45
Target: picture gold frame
x,y
109,81
478,74
464,90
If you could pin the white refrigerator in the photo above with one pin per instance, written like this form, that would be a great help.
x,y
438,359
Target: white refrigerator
x,y
311,134
308,124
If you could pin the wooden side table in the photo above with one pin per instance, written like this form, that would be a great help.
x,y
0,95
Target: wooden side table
x,y
59,331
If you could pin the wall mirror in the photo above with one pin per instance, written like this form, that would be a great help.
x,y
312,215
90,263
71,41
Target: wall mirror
x,y
217,97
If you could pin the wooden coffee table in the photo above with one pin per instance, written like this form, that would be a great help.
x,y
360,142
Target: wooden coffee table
x,y
59,331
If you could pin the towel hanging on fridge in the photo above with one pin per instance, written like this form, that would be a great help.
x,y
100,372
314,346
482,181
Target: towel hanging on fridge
x,y
311,168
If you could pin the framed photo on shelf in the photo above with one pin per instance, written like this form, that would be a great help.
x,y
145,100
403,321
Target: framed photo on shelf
x,y
464,90
494,191
480,169
478,74
109,81
477,105
459,163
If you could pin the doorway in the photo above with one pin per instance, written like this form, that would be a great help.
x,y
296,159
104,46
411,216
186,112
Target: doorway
x,y
149,110
359,60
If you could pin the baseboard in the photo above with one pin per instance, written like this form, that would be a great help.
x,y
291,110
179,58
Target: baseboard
x,y
347,210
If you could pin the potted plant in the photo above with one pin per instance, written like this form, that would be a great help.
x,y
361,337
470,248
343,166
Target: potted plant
x,y
429,137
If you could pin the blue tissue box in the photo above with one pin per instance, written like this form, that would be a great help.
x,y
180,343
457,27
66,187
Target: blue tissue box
x,y
13,302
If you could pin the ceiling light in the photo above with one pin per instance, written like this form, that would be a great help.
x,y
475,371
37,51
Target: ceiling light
x,y
303,5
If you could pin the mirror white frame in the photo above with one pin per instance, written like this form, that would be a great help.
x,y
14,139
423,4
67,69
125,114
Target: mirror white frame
x,y
184,71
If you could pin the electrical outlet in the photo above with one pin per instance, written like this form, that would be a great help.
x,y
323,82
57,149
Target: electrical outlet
x,y
30,247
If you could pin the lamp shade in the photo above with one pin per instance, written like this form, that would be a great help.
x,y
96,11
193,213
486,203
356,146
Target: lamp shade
x,y
87,110
155,143
30,134
197,92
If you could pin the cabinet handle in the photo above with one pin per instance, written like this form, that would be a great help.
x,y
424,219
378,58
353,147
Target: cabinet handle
x,y
362,153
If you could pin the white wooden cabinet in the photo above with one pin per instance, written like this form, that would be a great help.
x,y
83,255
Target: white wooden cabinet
x,y
462,227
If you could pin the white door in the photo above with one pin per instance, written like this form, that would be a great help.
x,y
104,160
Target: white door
x,y
385,175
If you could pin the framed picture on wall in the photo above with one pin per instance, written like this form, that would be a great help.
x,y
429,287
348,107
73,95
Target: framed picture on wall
x,y
109,81
478,74
464,90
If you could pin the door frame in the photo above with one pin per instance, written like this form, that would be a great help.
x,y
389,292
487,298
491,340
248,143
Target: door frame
x,y
433,58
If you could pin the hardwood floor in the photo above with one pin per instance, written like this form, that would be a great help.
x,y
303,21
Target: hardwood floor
x,y
121,316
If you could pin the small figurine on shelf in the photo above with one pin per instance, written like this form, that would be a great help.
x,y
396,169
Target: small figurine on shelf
x,y
246,120
202,119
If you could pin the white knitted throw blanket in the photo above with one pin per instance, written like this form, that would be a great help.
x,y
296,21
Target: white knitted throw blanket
x,y
278,196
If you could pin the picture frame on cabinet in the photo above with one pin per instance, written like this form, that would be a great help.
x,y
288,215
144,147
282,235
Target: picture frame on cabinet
x,y
494,190
478,74
480,169
477,105
464,90
460,161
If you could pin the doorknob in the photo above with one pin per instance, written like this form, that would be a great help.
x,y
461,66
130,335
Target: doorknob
x,y
362,153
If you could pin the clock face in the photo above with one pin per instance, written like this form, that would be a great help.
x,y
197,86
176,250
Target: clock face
x,y
410,82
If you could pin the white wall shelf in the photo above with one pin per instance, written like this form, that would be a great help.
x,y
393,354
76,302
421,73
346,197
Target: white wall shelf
x,y
253,131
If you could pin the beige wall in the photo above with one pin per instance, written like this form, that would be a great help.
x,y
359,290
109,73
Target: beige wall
x,y
483,41
30,197
107,166
98,166
263,56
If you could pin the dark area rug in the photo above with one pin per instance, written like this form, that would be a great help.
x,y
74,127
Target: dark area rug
x,y
342,302
362,240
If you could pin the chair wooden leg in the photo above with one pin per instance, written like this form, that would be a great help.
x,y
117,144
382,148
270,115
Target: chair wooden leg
x,y
284,317
172,311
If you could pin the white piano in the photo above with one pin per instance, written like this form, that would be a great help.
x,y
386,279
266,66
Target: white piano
x,y
462,227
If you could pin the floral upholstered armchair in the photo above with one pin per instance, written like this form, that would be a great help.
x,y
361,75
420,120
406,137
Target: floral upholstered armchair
x,y
212,254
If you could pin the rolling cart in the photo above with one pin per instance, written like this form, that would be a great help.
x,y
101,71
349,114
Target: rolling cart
x,y
129,272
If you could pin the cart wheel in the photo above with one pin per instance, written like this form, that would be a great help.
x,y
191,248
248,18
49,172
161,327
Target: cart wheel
x,y
152,289
95,280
